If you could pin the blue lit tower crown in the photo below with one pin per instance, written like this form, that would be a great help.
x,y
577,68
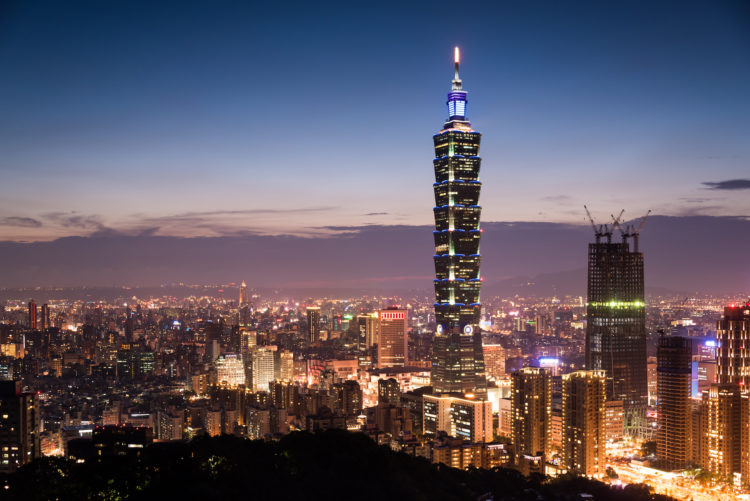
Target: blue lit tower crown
x,y
458,362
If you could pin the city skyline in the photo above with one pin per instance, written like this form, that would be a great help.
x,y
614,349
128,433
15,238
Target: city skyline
x,y
214,252
654,121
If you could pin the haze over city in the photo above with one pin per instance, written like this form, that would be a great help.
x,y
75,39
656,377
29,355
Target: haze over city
x,y
418,250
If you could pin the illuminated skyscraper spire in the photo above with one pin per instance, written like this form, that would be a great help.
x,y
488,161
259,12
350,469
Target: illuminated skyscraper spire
x,y
456,79
458,363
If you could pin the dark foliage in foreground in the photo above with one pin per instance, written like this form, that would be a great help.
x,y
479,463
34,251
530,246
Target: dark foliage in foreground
x,y
332,465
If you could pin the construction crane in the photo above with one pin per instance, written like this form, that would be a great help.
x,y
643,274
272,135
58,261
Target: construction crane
x,y
616,222
634,233
602,231
638,231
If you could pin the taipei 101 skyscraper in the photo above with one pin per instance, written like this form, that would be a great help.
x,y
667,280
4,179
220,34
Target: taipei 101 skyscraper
x,y
458,361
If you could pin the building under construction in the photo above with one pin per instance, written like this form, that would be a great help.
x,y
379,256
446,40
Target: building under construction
x,y
616,319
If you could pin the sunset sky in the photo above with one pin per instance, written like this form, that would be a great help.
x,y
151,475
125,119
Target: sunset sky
x,y
222,118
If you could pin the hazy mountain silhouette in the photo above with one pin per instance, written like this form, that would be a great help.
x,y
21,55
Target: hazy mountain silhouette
x,y
690,254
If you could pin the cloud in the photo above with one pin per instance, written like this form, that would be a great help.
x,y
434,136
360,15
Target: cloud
x,y
376,214
23,222
556,198
192,215
701,210
75,220
731,184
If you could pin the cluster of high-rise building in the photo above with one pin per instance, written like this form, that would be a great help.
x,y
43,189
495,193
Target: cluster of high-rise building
x,y
707,429
543,385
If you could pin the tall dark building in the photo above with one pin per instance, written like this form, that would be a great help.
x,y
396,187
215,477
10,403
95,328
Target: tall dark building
x,y
616,323
45,317
313,324
19,426
674,436
389,392
732,356
458,361
32,314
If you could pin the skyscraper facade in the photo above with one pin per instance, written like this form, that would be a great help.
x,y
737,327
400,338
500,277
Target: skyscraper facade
x,y
262,368
313,324
458,363
674,444
244,297
531,409
393,348
32,314
584,423
733,350
616,324
722,405
19,426
230,370
45,317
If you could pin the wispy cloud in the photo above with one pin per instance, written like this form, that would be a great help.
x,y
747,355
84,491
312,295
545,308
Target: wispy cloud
x,y
249,212
701,210
376,214
730,184
75,220
556,198
23,222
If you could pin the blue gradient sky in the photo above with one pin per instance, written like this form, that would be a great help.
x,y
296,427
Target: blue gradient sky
x,y
223,118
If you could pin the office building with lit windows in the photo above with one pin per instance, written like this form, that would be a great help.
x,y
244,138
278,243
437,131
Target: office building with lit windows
x,y
722,407
230,370
584,430
313,324
733,350
531,412
263,368
32,314
458,362
244,296
45,317
19,426
389,392
674,435
494,361
393,350
465,417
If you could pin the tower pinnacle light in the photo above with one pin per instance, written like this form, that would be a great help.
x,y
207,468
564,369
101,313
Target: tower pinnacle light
x,y
456,60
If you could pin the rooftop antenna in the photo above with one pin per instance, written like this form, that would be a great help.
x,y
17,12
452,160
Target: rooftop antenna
x,y
456,60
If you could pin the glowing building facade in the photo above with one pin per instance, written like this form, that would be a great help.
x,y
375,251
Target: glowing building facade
x,y
313,324
584,423
733,352
393,348
230,370
244,297
531,410
458,362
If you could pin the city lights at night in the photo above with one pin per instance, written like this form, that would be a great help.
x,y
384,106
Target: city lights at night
x,y
224,275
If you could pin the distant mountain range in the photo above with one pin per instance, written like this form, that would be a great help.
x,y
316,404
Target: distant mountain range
x,y
697,254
